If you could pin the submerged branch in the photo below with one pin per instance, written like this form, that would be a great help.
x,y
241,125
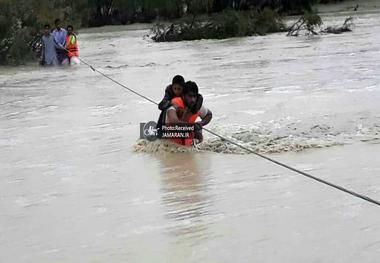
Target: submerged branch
x,y
346,27
309,22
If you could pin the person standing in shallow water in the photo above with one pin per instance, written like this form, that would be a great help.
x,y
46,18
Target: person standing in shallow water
x,y
60,34
48,52
72,46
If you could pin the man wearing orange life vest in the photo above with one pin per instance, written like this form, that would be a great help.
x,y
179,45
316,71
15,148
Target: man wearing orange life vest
x,y
72,46
182,111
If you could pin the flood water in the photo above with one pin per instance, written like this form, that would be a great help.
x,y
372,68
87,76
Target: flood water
x,y
76,184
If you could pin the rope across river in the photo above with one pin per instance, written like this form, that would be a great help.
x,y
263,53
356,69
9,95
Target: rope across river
x,y
363,197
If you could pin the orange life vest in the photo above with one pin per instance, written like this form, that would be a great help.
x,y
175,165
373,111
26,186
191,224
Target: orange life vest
x,y
179,103
72,46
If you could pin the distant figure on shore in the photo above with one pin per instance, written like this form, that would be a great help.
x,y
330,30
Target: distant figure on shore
x,y
72,46
60,34
356,7
48,52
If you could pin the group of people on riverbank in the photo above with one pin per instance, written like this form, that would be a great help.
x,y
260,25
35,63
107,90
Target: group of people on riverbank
x,y
60,46
183,104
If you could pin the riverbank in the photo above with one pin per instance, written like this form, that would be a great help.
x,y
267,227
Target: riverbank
x,y
345,7
23,21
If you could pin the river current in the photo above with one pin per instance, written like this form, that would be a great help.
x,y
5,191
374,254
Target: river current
x,y
77,184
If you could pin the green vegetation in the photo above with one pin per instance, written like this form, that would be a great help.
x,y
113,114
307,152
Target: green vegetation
x,y
21,21
229,23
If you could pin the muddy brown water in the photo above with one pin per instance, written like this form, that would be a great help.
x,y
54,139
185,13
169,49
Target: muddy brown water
x,y
74,189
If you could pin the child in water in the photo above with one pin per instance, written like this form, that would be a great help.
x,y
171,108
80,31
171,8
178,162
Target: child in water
x,y
172,91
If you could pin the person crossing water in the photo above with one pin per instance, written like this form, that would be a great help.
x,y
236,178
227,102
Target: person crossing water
x,y
72,46
174,117
172,91
48,51
183,110
60,34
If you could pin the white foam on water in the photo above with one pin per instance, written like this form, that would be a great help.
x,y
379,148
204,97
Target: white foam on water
x,y
286,135
159,146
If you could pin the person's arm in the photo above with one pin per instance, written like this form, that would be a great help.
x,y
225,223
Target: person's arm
x,y
42,57
172,116
206,120
56,44
67,44
199,103
205,115
166,101
175,115
64,38
55,38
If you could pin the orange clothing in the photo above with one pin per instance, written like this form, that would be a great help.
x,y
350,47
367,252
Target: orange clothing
x,y
72,46
179,103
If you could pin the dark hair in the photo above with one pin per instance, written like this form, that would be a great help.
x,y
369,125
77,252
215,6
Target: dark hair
x,y
178,79
190,86
56,21
46,26
70,27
